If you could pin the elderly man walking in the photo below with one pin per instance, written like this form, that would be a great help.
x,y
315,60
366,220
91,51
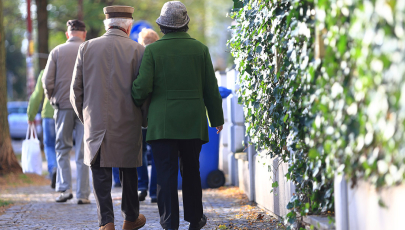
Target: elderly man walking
x,y
178,74
100,95
56,81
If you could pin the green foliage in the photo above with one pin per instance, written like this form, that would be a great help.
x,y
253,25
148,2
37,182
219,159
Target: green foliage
x,y
362,129
321,84
14,29
273,49
5,203
60,11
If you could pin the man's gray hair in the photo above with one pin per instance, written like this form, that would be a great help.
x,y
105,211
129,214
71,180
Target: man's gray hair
x,y
121,22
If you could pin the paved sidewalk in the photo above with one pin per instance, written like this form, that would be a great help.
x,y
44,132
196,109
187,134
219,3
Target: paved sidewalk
x,y
36,209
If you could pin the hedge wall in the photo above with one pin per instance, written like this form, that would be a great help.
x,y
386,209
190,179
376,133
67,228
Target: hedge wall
x,y
321,84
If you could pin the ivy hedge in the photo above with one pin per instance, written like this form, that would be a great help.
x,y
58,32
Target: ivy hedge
x,y
321,84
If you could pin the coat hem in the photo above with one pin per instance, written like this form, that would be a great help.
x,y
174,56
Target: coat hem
x,y
205,141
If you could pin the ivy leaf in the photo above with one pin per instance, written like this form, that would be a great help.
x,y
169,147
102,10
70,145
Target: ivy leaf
x,y
259,49
313,154
285,118
237,4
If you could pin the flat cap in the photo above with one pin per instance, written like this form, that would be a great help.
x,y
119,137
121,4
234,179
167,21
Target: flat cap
x,y
118,11
76,25
173,15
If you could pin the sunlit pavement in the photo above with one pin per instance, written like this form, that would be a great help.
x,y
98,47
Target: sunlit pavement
x,y
35,208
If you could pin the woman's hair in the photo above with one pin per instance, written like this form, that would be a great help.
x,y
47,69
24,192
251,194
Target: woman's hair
x,y
121,22
167,30
147,36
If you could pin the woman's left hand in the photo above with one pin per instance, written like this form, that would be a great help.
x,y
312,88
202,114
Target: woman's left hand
x,y
219,128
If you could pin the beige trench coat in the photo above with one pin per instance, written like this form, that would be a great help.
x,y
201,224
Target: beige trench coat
x,y
101,97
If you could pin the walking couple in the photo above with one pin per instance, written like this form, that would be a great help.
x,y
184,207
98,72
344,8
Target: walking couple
x,y
118,86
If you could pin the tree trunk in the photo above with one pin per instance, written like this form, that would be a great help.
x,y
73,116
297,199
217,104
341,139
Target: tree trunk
x,y
80,10
8,161
94,32
43,32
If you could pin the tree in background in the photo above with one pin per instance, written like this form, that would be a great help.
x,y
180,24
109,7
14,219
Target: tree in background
x,y
61,11
8,161
51,17
42,32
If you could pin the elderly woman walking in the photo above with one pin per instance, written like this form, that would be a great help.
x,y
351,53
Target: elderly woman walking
x,y
177,73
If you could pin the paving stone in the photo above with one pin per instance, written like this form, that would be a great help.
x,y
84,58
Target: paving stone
x,y
35,208
42,212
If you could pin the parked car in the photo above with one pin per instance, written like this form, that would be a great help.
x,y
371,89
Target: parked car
x,y
18,119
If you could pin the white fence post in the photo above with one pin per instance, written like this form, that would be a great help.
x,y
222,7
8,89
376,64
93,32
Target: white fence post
x,y
251,158
341,211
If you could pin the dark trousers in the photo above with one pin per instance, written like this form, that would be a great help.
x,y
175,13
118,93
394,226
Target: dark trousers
x,y
102,182
143,177
166,154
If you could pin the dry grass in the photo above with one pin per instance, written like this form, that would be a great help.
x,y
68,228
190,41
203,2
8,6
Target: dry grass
x,y
4,205
247,210
13,180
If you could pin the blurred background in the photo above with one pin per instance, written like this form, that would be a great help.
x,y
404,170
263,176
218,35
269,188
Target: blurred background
x,y
34,27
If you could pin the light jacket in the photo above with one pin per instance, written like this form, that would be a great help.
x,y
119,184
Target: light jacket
x,y
35,101
177,73
101,97
58,73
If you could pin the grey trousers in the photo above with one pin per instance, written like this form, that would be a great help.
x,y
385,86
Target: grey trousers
x,y
66,121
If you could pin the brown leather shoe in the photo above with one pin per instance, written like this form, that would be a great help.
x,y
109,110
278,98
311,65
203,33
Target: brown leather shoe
x,y
109,226
134,225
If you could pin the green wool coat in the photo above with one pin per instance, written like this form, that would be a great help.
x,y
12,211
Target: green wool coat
x,y
177,72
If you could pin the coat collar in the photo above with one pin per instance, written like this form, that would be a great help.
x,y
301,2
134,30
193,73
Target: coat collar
x,y
74,39
176,35
116,32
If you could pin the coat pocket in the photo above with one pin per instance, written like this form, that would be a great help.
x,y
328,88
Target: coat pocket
x,y
183,94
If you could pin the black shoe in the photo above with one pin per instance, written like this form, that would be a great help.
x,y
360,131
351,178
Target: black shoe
x,y
153,200
199,225
53,180
142,195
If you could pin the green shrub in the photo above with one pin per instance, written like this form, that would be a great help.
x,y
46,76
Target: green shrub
x,y
321,84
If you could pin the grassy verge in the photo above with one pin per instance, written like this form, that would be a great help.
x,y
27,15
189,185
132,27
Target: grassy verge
x,y
13,180
4,205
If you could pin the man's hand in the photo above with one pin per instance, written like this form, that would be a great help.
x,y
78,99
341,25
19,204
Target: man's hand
x,y
31,123
219,128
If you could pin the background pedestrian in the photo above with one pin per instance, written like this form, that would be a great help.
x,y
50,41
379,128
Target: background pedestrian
x,y
146,37
56,81
48,125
